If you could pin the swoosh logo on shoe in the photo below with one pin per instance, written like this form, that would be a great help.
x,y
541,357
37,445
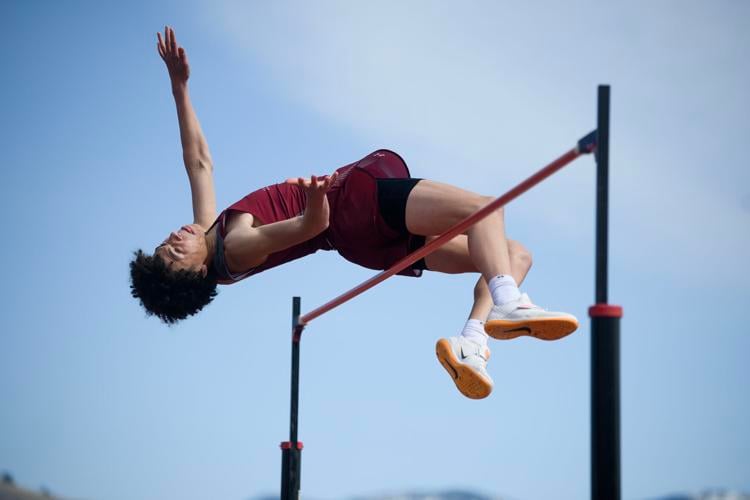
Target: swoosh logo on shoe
x,y
520,329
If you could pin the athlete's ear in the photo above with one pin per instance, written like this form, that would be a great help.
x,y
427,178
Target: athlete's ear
x,y
203,270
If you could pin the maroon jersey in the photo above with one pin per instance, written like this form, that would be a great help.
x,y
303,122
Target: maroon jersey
x,y
356,229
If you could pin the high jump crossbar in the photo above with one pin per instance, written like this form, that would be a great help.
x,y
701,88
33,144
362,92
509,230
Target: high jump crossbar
x,y
605,323
585,145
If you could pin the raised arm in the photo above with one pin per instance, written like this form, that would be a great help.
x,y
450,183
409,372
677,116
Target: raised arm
x,y
195,153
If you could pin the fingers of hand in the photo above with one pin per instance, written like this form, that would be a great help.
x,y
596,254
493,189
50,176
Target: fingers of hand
x,y
160,45
173,41
329,180
166,44
170,51
167,41
314,183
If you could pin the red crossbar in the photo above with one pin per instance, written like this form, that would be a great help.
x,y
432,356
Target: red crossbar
x,y
446,236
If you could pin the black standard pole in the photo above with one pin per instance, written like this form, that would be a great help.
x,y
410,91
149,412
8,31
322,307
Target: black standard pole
x,y
291,451
602,193
605,336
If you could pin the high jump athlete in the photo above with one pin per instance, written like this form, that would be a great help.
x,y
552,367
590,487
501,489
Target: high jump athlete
x,y
371,211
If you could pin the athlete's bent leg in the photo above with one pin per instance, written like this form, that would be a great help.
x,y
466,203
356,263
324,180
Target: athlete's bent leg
x,y
433,207
454,258
465,357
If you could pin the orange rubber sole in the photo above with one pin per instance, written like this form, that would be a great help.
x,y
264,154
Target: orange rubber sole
x,y
541,328
469,383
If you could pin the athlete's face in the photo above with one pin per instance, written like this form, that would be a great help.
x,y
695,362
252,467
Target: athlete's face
x,y
185,249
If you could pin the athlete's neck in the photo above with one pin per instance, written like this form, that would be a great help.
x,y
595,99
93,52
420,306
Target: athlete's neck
x,y
210,245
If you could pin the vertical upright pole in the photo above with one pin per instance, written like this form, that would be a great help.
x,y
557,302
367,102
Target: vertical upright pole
x,y
605,336
602,193
291,451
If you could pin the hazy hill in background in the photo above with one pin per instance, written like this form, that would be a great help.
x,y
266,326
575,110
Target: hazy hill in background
x,y
10,491
716,494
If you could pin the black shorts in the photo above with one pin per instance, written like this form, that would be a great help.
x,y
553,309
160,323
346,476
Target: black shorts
x,y
392,196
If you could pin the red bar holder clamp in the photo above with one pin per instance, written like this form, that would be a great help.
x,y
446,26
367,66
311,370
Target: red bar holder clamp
x,y
605,311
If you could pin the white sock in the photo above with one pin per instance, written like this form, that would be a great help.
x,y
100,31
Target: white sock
x,y
504,289
474,331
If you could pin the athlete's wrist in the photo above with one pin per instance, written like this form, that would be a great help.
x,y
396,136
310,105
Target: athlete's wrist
x,y
314,221
179,87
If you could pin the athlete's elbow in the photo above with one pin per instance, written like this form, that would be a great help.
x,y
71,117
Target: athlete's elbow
x,y
198,163
205,163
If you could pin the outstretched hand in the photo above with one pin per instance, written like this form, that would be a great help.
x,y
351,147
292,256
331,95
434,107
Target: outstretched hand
x,y
314,184
317,210
173,56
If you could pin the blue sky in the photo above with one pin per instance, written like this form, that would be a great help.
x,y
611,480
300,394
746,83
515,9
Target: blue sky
x,y
99,401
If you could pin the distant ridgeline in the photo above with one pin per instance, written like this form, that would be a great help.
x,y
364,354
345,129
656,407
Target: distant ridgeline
x,y
411,495
9,491
716,494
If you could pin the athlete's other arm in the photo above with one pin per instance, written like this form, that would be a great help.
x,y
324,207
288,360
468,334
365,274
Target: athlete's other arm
x,y
195,153
252,246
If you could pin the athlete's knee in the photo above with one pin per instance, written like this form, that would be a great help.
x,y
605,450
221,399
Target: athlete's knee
x,y
519,254
478,202
471,204
486,200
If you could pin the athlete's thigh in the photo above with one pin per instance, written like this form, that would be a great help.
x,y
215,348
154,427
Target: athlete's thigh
x,y
452,258
433,207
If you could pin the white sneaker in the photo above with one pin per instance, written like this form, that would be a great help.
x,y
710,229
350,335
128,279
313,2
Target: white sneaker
x,y
522,317
466,362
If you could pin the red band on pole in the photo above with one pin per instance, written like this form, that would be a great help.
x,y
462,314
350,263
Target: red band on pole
x,y
446,236
287,445
605,311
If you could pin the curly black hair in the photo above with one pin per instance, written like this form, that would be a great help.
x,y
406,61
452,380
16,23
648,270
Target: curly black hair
x,y
171,295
